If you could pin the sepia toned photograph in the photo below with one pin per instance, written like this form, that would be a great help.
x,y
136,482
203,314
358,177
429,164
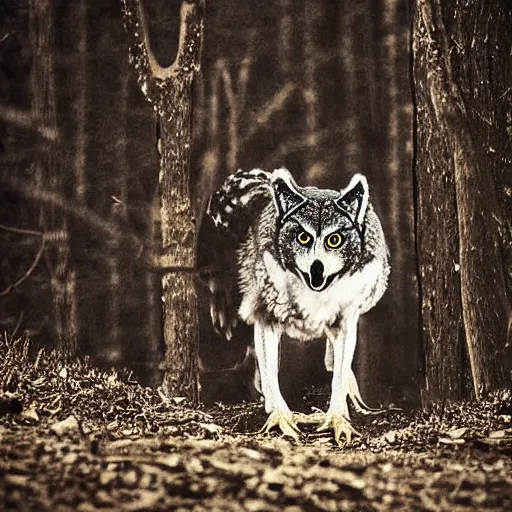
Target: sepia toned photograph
x,y
255,256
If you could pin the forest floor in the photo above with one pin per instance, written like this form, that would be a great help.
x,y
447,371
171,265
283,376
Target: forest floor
x,y
75,438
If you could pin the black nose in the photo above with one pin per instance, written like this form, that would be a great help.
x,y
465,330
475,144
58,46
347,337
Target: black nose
x,y
317,274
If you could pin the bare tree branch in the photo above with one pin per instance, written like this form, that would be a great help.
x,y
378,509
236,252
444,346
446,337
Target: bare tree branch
x,y
17,326
275,105
25,119
74,208
153,261
28,273
21,231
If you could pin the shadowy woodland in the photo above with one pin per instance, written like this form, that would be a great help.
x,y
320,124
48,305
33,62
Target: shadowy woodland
x,y
322,88
415,95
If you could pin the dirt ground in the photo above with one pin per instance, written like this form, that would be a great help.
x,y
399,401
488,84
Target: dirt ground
x,y
75,438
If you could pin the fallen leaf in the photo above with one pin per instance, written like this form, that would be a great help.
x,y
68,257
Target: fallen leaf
x,y
107,477
17,480
104,498
500,434
212,428
70,424
457,433
387,467
120,443
130,478
252,454
448,440
70,458
147,501
30,414
390,437
172,461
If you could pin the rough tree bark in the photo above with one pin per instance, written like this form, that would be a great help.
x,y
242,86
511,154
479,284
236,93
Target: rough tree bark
x,y
169,90
463,83
48,175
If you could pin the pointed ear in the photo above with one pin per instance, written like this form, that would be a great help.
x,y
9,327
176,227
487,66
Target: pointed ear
x,y
354,199
286,193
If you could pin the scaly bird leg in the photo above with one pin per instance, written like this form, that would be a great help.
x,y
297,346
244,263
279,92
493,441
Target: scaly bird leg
x,y
266,345
354,393
341,353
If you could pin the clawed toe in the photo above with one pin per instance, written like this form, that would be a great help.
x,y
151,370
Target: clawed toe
x,y
284,421
335,421
287,422
341,426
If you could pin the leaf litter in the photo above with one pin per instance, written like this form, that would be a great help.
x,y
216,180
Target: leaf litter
x,y
73,437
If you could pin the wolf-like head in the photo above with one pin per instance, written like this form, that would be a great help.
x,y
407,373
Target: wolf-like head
x,y
320,233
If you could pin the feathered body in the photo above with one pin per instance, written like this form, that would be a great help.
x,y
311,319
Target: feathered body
x,y
309,262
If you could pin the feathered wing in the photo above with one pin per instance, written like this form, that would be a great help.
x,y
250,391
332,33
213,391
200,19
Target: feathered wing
x,y
231,211
239,193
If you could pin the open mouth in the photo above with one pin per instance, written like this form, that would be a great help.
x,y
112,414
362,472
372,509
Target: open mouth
x,y
316,279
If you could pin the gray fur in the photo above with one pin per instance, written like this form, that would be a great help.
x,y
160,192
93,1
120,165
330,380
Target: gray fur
x,y
305,290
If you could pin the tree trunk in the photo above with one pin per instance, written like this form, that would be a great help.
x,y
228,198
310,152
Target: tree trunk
x,y
313,14
168,89
462,79
153,336
348,64
47,175
82,86
285,44
378,134
119,211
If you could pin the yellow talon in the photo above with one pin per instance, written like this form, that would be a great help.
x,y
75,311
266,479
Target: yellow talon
x,y
340,425
284,421
327,421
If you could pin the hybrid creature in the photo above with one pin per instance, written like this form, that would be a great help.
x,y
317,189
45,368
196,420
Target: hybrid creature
x,y
309,262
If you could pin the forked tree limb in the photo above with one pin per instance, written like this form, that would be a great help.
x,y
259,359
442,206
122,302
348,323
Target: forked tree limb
x,y
169,91
154,79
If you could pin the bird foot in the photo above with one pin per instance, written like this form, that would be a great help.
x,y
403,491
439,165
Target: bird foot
x,y
336,421
284,421
339,423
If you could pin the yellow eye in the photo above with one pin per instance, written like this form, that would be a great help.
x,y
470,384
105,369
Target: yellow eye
x,y
334,241
303,238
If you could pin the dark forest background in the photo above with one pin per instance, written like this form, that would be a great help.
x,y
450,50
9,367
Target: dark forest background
x,y
320,87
